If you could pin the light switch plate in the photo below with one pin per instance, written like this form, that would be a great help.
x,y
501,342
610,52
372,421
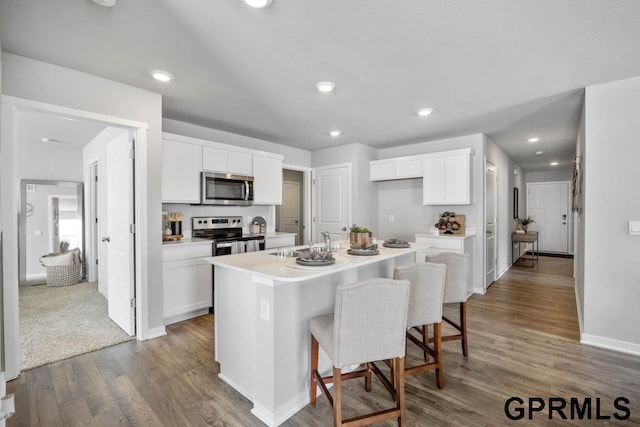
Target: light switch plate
x,y
634,228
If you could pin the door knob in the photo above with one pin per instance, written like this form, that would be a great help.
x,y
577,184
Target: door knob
x,y
106,239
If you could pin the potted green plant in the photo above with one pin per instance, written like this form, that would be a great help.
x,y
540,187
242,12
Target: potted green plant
x,y
359,235
525,222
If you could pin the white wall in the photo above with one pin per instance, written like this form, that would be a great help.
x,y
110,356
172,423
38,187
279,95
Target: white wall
x,y
364,197
47,83
578,218
3,386
611,268
506,182
403,198
292,156
561,174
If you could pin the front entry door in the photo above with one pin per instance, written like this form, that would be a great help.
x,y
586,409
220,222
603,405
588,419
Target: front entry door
x,y
548,205
332,200
120,269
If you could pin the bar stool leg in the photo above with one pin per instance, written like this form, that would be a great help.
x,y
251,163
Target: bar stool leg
x,y
314,368
367,378
425,340
463,326
437,348
337,399
399,362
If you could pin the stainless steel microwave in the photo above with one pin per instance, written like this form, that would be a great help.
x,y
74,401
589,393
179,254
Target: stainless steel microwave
x,y
226,189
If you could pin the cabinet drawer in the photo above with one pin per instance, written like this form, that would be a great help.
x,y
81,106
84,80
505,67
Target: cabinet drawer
x,y
176,251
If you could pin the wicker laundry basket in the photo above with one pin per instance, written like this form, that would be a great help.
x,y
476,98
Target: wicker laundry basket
x,y
63,275
63,269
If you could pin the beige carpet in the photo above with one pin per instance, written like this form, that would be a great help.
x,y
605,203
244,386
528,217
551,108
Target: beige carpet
x,y
60,322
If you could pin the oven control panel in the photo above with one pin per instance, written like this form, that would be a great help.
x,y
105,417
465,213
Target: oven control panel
x,y
209,222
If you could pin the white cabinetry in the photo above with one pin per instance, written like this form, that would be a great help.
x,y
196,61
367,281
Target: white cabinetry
x,y
267,185
397,168
446,179
187,281
181,167
226,161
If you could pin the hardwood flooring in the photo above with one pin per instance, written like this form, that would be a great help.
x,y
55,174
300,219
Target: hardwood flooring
x,y
523,341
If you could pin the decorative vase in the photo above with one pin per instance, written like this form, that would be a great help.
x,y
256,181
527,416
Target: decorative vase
x,y
524,227
176,227
363,239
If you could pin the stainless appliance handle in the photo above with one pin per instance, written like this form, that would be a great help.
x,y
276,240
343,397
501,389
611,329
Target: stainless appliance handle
x,y
223,245
246,190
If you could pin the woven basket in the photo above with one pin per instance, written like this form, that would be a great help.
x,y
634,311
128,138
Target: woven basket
x,y
63,275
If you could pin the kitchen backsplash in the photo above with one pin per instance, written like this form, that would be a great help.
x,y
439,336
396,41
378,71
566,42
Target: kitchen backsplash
x,y
246,212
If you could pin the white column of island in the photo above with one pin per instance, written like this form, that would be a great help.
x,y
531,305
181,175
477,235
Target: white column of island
x,y
262,310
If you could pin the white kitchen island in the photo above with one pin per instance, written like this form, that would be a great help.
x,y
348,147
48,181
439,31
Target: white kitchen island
x,y
262,310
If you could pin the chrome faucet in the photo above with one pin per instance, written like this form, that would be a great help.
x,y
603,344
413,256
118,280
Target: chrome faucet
x,y
327,241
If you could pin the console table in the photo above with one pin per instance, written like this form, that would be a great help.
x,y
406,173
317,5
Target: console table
x,y
528,237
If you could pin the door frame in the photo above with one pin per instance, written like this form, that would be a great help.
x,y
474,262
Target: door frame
x,y
307,197
570,248
10,210
490,166
313,193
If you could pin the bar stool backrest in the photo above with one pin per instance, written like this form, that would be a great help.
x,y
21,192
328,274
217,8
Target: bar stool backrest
x,y
370,321
457,279
426,292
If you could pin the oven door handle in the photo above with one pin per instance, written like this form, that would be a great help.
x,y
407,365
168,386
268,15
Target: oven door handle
x,y
223,245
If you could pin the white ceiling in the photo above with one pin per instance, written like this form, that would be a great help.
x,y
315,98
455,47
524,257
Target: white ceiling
x,y
511,69
68,133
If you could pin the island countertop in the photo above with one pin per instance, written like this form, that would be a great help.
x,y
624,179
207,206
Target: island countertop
x,y
268,265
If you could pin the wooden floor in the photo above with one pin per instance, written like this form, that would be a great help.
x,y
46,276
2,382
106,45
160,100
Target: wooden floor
x,y
523,341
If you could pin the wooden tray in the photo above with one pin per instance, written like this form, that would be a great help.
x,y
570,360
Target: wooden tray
x,y
166,238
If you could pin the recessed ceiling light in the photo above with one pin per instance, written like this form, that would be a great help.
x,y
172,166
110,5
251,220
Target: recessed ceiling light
x,y
161,76
335,133
325,87
534,139
258,3
107,3
554,163
424,112
53,141
539,153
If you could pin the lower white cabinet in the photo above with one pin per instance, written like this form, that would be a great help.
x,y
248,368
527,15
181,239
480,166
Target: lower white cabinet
x,y
187,281
280,241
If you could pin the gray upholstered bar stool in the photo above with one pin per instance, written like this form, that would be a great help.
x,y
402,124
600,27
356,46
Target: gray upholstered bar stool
x,y
455,291
368,324
425,308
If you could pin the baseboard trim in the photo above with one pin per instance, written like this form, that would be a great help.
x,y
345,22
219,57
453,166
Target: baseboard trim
x,y
150,334
610,344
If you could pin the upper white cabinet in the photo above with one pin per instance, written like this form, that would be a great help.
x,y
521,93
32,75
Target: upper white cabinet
x,y
447,178
397,168
226,161
267,184
181,167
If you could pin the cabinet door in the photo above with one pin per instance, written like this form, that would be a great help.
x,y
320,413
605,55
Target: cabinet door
x,y
215,160
240,163
187,286
279,242
433,181
380,170
181,166
456,179
408,168
267,187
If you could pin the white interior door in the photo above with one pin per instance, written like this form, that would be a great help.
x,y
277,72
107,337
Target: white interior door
x,y
491,209
120,269
548,205
332,200
290,220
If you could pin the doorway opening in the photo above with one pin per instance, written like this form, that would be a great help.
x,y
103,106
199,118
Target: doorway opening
x,y
290,215
60,315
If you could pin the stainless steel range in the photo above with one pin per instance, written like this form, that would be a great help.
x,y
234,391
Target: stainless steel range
x,y
225,232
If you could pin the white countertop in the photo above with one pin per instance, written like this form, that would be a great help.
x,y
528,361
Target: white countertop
x,y
186,241
269,266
